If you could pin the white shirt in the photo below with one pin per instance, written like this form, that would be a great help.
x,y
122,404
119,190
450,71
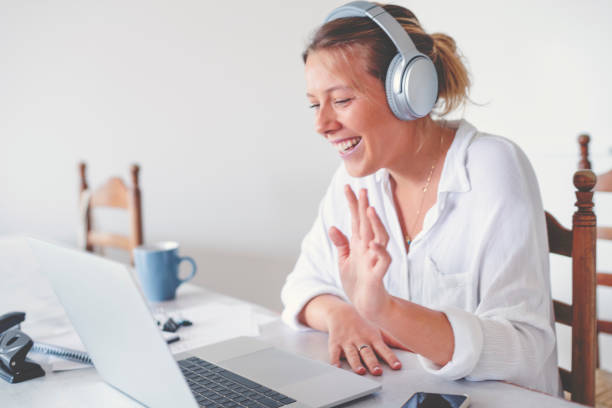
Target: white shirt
x,y
481,258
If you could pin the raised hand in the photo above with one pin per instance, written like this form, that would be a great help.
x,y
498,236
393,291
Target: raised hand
x,y
364,260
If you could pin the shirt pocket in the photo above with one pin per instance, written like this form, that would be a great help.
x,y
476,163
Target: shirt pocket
x,y
442,289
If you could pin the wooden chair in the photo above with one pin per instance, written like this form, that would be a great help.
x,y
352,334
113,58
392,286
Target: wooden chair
x,y
113,193
603,185
579,244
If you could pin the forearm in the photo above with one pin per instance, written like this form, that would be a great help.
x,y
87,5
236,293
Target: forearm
x,y
425,331
318,310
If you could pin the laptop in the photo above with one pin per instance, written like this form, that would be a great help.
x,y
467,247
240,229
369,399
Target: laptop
x,y
115,324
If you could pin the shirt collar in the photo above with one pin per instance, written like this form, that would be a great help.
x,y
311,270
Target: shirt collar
x,y
454,177
454,173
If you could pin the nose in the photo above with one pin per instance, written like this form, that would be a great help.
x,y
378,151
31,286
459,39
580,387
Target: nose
x,y
326,121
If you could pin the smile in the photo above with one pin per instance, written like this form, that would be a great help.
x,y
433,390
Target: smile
x,y
347,146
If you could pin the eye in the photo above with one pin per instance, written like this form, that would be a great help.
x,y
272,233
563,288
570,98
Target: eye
x,y
343,101
314,106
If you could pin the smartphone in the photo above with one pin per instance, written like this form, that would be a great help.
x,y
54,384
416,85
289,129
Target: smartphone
x,y
433,400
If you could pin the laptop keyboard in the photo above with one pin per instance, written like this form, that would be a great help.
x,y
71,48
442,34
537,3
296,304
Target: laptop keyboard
x,y
216,387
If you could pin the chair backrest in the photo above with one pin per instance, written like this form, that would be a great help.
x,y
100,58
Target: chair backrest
x,y
579,244
603,185
113,193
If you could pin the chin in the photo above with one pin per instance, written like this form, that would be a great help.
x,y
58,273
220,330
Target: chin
x,y
358,171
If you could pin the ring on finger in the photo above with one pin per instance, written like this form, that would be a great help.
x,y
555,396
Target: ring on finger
x,y
363,346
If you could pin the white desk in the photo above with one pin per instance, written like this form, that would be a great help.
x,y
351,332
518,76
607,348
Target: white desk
x,y
85,388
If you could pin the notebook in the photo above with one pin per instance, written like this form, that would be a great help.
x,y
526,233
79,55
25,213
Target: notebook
x,y
115,325
77,356
63,352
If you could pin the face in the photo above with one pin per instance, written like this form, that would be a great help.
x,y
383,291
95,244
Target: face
x,y
360,126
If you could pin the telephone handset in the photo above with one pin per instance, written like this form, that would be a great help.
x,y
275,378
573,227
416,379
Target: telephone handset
x,y
14,347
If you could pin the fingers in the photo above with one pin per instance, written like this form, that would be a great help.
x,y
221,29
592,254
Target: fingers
x,y
369,358
335,352
380,233
354,359
387,355
362,224
380,259
365,229
341,243
358,356
353,208
364,346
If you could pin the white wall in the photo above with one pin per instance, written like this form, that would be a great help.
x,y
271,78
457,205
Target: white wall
x,y
209,98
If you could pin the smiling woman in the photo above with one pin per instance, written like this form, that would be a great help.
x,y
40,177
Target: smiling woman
x,y
365,47
447,255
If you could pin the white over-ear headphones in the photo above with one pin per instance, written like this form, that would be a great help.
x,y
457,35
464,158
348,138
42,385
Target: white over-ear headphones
x,y
411,83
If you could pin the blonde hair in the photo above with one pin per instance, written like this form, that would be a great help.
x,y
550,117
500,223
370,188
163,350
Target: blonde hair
x,y
362,37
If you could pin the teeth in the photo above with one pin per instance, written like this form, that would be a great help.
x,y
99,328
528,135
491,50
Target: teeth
x,y
347,144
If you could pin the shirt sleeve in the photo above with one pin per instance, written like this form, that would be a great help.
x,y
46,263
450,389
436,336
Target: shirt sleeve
x,y
510,334
315,272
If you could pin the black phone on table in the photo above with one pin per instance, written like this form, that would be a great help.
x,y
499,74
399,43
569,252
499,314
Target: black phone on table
x,y
433,400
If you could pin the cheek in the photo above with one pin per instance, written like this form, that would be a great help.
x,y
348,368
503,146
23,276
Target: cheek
x,y
364,119
371,127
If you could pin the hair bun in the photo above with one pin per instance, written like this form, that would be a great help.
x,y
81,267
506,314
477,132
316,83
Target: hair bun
x,y
453,77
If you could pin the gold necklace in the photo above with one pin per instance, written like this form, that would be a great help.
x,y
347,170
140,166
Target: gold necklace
x,y
418,213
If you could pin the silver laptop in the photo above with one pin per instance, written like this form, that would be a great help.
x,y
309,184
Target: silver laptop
x,y
115,324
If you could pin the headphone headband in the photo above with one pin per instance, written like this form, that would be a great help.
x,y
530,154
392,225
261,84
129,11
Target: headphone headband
x,y
384,20
411,82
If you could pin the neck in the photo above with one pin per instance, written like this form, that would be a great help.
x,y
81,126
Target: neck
x,y
425,146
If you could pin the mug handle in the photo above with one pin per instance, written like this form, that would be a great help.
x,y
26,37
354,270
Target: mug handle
x,y
193,272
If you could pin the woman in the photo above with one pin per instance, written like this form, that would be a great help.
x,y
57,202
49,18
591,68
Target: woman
x,y
431,236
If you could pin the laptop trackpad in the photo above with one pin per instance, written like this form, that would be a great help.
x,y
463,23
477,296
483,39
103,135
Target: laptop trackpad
x,y
274,368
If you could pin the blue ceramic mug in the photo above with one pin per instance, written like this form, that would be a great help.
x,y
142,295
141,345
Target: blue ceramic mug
x,y
157,266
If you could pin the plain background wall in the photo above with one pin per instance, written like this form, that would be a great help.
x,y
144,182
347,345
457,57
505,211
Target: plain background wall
x,y
208,97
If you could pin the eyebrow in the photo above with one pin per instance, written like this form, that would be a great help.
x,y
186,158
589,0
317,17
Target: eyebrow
x,y
333,88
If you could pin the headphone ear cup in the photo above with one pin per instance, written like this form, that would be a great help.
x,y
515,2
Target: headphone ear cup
x,y
392,98
420,86
418,81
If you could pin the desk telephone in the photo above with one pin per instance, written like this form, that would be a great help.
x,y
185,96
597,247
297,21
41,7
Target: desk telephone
x,y
14,346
